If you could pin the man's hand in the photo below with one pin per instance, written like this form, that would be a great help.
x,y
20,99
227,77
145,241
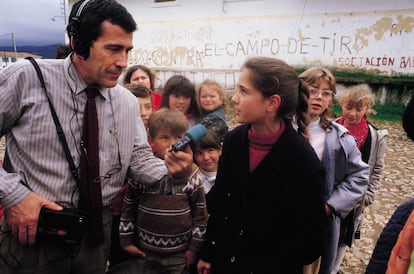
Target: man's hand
x,y
133,250
23,217
179,164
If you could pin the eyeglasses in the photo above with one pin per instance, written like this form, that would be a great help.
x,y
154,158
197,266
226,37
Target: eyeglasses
x,y
314,92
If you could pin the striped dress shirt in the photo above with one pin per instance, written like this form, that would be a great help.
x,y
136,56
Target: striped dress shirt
x,y
37,159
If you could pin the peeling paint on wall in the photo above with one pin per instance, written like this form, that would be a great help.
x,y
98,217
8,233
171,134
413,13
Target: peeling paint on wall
x,y
212,35
364,41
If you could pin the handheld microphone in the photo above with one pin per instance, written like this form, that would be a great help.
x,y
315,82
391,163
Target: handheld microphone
x,y
194,134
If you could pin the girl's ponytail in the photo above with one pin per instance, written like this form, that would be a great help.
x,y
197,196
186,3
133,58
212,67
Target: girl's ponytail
x,y
302,118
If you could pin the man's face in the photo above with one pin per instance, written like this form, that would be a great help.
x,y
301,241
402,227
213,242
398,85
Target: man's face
x,y
108,56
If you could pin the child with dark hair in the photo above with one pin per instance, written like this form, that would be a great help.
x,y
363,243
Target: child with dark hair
x,y
145,101
180,94
63,51
254,225
206,155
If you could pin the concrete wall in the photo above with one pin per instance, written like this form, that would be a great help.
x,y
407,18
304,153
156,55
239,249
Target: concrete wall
x,y
212,38
202,35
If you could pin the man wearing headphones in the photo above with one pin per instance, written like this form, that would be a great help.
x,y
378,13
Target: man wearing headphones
x,y
36,172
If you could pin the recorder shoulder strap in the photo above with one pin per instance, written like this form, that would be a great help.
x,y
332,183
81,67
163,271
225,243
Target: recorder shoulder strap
x,y
59,129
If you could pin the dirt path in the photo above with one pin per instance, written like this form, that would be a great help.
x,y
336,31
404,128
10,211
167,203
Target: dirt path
x,y
397,187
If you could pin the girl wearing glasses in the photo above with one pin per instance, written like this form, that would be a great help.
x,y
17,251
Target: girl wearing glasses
x,y
346,173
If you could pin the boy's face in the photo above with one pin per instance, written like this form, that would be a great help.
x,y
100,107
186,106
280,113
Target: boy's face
x,y
145,107
162,141
207,158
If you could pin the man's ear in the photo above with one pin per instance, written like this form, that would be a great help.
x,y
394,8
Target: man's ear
x,y
71,43
274,102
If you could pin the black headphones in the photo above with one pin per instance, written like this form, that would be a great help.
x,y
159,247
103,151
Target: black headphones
x,y
74,31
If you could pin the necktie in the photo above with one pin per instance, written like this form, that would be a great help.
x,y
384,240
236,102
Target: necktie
x,y
90,198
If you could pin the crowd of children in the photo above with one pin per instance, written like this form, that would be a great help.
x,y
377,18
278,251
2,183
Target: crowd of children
x,y
282,192
270,99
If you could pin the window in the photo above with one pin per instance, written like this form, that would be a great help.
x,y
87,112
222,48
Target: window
x,y
165,3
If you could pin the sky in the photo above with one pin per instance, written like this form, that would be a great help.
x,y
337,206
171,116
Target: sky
x,y
31,22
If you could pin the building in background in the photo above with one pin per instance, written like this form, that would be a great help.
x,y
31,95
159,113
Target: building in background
x,y
212,38
8,57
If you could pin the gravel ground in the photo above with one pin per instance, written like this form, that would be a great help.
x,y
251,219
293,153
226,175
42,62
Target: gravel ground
x,y
397,187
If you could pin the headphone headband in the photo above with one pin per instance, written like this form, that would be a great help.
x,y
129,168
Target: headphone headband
x,y
81,7
74,30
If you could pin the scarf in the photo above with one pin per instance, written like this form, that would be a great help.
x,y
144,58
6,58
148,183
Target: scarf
x,y
359,131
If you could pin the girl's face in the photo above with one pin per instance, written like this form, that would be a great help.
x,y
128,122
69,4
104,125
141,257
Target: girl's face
x,y
320,97
145,107
249,104
179,102
352,113
207,158
140,77
209,99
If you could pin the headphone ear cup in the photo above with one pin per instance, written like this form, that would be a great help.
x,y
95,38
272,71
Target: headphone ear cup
x,y
73,31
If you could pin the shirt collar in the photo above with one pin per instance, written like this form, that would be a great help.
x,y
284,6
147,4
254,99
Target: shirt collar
x,y
75,81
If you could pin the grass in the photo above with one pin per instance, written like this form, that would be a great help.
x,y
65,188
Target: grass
x,y
367,76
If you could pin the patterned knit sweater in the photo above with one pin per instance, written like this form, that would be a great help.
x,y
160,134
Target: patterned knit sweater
x,y
165,219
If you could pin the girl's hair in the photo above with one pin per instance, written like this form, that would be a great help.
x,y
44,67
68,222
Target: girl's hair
x,y
213,85
151,75
139,91
273,76
211,140
180,85
357,96
168,119
313,76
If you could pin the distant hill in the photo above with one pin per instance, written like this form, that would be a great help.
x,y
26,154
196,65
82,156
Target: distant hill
x,y
46,52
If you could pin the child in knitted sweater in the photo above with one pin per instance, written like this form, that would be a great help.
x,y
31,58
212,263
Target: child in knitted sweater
x,y
165,223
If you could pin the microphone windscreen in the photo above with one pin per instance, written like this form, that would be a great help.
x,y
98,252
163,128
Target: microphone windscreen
x,y
196,133
193,135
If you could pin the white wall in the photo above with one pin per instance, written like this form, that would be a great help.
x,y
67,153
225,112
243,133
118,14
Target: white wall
x,y
206,36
